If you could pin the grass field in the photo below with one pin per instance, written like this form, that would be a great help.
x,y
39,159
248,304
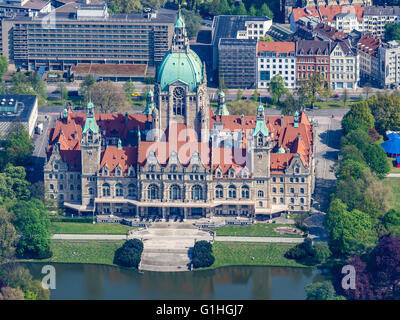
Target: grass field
x,y
393,165
394,183
88,228
83,251
268,254
255,230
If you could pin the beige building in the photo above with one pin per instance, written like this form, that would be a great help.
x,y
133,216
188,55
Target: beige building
x,y
367,50
344,66
180,157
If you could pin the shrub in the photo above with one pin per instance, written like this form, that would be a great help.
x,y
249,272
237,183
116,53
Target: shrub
x,y
129,254
202,254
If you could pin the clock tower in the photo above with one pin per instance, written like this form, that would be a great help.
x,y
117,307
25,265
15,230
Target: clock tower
x,y
180,94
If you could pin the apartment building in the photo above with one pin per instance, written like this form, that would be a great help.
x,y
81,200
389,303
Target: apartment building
x,y
312,56
376,17
389,65
275,58
87,34
344,66
367,50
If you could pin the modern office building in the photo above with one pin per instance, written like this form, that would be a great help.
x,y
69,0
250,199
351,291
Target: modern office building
x,y
18,108
275,58
87,33
237,63
180,158
376,17
246,29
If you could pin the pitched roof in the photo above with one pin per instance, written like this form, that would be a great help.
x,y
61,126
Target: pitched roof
x,y
312,47
327,13
278,47
368,44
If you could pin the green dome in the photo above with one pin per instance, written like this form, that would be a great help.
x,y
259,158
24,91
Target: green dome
x,y
186,67
179,23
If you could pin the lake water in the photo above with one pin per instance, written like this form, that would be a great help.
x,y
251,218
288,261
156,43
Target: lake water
x,y
88,281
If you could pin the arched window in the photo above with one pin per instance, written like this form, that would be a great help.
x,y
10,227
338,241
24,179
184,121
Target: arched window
x,y
105,170
218,173
197,193
152,192
91,191
232,192
274,190
245,192
175,192
274,200
260,140
219,192
119,190
90,136
106,190
260,194
231,173
61,197
302,200
132,190
301,190
118,171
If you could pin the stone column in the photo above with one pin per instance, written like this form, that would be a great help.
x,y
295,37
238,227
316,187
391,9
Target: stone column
x,y
185,213
164,212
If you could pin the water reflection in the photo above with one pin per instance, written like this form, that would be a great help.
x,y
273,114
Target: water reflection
x,y
85,281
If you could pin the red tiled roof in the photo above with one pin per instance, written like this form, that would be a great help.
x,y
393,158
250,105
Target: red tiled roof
x,y
278,47
368,44
113,157
327,13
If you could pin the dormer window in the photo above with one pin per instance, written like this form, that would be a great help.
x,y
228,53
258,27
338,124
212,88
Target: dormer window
x,y
218,173
131,172
118,171
231,173
105,171
90,136
195,168
245,173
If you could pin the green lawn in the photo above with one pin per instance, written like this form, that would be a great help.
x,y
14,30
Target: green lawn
x,y
88,228
255,230
393,165
265,254
81,251
337,104
394,183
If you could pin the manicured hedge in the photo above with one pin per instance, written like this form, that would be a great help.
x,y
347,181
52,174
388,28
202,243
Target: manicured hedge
x,y
129,254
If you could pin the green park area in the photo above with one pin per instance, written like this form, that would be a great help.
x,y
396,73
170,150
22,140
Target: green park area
x,y
394,183
83,251
393,165
264,254
256,230
88,228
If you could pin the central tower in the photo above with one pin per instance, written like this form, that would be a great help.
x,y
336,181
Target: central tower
x,y
180,94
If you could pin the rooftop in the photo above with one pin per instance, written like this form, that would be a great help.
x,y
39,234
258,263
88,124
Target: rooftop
x,y
136,70
278,47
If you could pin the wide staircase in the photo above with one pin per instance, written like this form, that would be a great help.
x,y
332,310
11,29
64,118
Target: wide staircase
x,y
168,246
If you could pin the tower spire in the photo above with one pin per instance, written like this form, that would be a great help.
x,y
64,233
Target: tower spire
x,y
180,41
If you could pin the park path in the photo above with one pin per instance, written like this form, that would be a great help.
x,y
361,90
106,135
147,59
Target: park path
x,y
393,175
172,237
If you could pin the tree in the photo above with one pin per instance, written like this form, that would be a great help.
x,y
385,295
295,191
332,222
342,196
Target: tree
x,y
240,10
367,89
378,274
265,11
224,7
358,138
351,168
277,88
192,22
33,224
316,85
239,95
13,184
109,98
124,6
246,107
359,116
392,32
129,254
202,254
8,293
266,38
386,110
252,11
63,91
321,252
255,96
3,67
350,232
320,291
8,236
345,97
86,86
290,105
376,158
129,89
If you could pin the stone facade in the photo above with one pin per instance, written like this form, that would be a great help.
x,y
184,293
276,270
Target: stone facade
x,y
180,158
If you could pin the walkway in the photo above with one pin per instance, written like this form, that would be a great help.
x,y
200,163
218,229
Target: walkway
x,y
393,175
162,235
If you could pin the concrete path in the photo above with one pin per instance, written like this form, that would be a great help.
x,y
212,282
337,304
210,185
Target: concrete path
x,y
393,175
259,239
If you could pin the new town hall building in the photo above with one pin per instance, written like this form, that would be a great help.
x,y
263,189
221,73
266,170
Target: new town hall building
x,y
181,157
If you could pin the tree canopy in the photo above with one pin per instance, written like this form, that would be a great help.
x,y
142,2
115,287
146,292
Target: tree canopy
x,y
277,88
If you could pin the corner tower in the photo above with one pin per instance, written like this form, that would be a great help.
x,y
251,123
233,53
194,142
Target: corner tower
x,y
180,93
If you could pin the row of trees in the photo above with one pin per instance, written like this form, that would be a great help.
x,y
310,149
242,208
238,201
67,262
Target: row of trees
x,y
133,6
361,227
225,7
24,220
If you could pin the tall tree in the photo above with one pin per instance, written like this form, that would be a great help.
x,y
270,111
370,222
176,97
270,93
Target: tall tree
x,y
277,88
3,66
86,86
8,236
240,10
265,11
316,85
109,98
